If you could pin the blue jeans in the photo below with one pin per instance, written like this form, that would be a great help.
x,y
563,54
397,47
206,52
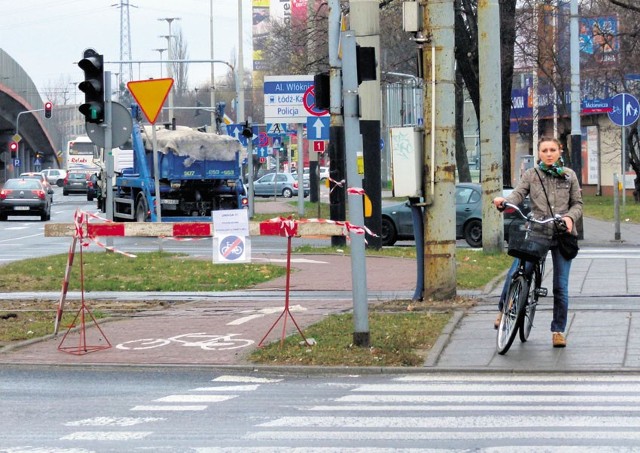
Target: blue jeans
x,y
561,269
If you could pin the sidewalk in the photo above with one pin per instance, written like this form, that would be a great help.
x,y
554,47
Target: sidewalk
x,y
602,334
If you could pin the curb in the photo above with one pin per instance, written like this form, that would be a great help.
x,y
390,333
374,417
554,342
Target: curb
x,y
443,339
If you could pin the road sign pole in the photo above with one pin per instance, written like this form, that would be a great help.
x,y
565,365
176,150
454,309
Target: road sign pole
x,y
624,164
108,149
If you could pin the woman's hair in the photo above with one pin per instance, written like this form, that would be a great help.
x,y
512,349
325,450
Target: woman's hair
x,y
546,138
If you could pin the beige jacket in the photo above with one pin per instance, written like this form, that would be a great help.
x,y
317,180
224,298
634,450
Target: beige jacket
x,y
565,195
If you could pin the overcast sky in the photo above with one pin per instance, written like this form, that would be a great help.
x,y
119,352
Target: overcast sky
x,y
48,37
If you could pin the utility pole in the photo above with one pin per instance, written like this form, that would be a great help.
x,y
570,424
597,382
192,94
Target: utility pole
x,y
490,124
440,227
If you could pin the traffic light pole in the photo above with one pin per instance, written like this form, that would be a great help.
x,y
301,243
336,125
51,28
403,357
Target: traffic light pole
x,y
15,170
108,148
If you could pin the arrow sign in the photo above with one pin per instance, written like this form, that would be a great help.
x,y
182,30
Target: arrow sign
x,y
150,95
318,128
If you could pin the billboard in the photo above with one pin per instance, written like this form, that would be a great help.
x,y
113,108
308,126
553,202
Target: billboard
x,y
599,44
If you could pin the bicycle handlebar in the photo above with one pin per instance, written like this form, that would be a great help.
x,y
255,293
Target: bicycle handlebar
x,y
529,217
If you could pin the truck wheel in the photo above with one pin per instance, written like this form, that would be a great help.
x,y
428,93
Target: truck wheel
x,y
141,210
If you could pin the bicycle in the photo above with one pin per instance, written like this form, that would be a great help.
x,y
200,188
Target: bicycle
x,y
519,308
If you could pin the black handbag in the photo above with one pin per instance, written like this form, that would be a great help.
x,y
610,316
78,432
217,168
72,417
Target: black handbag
x,y
567,245
567,242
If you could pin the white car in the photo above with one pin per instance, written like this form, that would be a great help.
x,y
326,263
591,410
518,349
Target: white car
x,y
55,176
324,173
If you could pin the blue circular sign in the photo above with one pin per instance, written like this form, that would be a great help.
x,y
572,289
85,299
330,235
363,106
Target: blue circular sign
x,y
231,247
625,109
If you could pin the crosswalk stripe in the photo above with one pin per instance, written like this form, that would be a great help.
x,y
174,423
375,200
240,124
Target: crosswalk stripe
x,y
195,398
516,407
169,408
259,380
501,387
107,435
473,422
493,398
449,435
228,388
114,421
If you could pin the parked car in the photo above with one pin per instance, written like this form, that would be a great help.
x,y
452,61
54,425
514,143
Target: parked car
x,y
75,182
397,222
55,176
278,184
92,187
324,173
40,177
24,197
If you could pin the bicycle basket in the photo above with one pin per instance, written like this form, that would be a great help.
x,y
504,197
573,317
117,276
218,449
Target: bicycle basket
x,y
527,245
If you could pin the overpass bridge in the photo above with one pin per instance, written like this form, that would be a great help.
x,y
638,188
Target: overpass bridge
x,y
18,94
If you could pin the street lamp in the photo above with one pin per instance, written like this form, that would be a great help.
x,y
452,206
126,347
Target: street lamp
x,y
160,52
170,56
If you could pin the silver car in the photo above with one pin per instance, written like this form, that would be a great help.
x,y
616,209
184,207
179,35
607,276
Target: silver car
x,y
275,184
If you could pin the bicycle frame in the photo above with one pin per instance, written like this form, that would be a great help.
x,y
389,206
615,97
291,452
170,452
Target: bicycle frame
x,y
522,297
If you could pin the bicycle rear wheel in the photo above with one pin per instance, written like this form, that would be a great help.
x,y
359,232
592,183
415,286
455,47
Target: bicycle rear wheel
x,y
529,309
511,314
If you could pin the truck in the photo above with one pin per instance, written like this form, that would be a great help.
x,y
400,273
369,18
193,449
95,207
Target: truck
x,y
199,173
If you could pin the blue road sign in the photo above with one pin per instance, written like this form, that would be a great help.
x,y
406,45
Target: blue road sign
x,y
318,128
16,163
263,151
625,109
276,129
235,130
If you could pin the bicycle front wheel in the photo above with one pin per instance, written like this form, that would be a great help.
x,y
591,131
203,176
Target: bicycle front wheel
x,y
511,312
529,309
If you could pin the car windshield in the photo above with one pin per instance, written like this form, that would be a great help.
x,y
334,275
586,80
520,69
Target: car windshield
x,y
22,184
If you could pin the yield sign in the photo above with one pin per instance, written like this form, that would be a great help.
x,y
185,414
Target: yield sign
x,y
150,95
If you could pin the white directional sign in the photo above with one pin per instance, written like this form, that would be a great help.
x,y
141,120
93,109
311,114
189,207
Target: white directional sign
x,y
284,98
318,128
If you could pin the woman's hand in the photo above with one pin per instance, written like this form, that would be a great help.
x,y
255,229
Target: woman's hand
x,y
497,201
569,222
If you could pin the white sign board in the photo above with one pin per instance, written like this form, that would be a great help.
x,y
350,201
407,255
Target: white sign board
x,y
284,98
406,157
230,221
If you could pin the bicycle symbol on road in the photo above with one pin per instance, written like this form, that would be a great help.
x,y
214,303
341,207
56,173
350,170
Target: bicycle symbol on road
x,y
202,340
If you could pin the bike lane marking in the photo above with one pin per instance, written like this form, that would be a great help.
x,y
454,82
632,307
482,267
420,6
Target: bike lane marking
x,y
262,313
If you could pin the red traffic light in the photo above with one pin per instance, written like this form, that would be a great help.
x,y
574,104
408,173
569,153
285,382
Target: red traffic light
x,y
13,149
47,109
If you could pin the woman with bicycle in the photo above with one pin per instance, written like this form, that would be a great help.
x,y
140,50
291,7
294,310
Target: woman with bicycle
x,y
551,187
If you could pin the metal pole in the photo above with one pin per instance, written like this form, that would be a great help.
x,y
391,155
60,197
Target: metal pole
x,y
576,127
301,171
108,148
353,142
250,173
214,125
170,57
616,206
240,72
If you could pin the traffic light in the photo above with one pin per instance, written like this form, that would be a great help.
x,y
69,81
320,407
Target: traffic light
x,y
321,89
366,63
47,109
93,86
13,149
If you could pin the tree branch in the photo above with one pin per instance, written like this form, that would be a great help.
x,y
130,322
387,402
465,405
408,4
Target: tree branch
x,y
625,5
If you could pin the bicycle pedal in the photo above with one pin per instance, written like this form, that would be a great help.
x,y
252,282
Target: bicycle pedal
x,y
541,292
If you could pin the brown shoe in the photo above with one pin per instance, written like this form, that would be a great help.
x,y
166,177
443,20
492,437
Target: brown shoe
x,y
496,323
559,340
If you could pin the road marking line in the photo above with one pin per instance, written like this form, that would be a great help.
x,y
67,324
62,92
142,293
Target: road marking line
x,y
105,435
195,398
114,421
470,398
227,378
475,422
169,408
228,388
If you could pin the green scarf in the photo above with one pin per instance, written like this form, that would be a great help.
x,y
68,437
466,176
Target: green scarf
x,y
556,170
